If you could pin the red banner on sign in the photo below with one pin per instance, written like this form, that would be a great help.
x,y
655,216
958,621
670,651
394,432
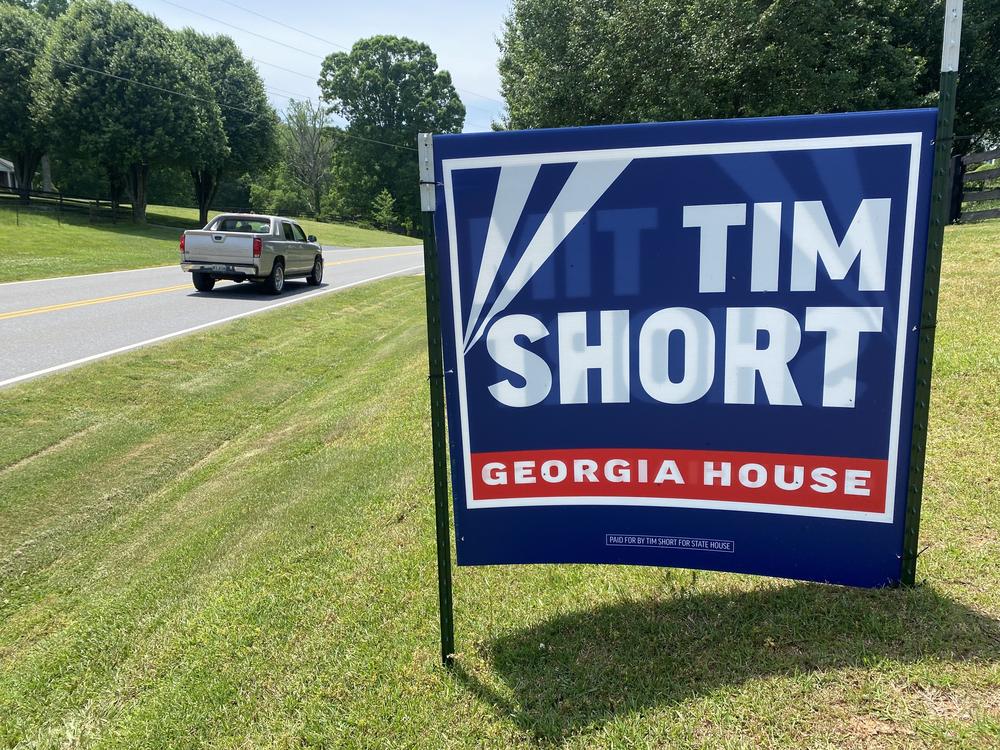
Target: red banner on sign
x,y
832,482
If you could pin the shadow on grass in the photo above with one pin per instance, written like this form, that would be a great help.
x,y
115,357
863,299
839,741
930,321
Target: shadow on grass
x,y
584,668
100,219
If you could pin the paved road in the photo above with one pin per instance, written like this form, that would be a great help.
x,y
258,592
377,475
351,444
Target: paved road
x,y
51,324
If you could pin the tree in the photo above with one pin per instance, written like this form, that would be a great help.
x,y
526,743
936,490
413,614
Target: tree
x,y
978,101
384,209
389,89
47,8
576,62
307,147
249,122
21,137
277,192
117,86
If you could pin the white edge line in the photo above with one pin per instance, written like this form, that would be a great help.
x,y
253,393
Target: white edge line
x,y
175,334
85,275
326,248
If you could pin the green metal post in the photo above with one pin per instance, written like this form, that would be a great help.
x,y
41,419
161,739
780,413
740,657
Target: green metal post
x,y
940,204
435,357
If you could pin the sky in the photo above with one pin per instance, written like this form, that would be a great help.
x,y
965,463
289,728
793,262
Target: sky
x,y
462,33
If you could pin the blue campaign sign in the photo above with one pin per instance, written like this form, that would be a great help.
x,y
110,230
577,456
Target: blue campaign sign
x,y
685,344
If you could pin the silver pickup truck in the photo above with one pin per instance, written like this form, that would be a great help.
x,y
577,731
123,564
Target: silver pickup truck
x,y
250,247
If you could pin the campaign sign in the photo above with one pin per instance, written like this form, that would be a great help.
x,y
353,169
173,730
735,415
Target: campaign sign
x,y
685,344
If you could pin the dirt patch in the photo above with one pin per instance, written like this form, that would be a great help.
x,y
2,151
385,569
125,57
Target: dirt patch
x,y
959,705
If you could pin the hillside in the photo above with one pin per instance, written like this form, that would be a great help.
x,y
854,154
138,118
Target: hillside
x,y
43,243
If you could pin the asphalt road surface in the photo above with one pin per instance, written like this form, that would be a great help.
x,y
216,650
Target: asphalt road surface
x,y
52,324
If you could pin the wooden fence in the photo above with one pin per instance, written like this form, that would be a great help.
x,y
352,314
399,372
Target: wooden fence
x,y
980,191
55,202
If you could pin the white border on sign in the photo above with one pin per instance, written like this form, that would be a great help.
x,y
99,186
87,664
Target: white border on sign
x,y
700,149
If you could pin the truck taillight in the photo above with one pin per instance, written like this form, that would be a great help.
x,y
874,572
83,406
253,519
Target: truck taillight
x,y
182,243
258,243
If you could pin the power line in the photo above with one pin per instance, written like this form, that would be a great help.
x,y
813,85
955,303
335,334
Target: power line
x,y
188,96
311,78
286,94
131,80
245,31
285,25
287,70
332,43
290,46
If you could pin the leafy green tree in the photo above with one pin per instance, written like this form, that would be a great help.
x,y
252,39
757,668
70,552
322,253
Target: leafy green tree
x,y
306,149
576,62
298,181
21,137
277,192
384,209
117,86
47,8
249,122
977,118
830,56
389,89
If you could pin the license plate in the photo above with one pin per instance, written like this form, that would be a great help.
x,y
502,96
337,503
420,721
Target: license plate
x,y
219,268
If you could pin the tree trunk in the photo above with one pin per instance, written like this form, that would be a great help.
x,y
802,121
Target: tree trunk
x,y
206,185
137,178
115,183
25,164
317,196
47,185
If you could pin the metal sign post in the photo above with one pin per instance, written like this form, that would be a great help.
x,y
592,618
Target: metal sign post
x,y
940,203
436,381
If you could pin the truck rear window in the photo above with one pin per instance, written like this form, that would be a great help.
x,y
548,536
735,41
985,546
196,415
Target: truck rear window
x,y
254,226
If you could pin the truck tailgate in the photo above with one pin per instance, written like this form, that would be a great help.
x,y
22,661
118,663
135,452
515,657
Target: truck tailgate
x,y
218,247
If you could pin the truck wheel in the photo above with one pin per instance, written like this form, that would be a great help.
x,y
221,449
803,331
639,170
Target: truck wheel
x,y
203,282
276,281
316,277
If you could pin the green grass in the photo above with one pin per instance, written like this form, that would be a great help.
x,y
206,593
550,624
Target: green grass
x,y
37,244
227,541
341,235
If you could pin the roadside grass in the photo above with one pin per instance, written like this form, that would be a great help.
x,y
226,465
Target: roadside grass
x,y
338,235
228,541
38,243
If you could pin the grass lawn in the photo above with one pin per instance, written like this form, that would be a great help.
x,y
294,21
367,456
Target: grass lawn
x,y
38,245
227,541
340,235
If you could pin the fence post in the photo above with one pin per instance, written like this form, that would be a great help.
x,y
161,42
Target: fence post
x,y
957,188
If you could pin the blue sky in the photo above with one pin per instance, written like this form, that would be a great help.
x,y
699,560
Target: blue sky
x,y
462,34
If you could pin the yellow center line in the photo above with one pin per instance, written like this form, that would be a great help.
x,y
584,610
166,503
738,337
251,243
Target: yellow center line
x,y
375,257
85,302
161,290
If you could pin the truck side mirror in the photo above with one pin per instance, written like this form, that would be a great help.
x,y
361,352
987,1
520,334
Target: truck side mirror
x,y
311,238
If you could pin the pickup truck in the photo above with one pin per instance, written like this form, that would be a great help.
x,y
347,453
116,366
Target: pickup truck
x,y
250,247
